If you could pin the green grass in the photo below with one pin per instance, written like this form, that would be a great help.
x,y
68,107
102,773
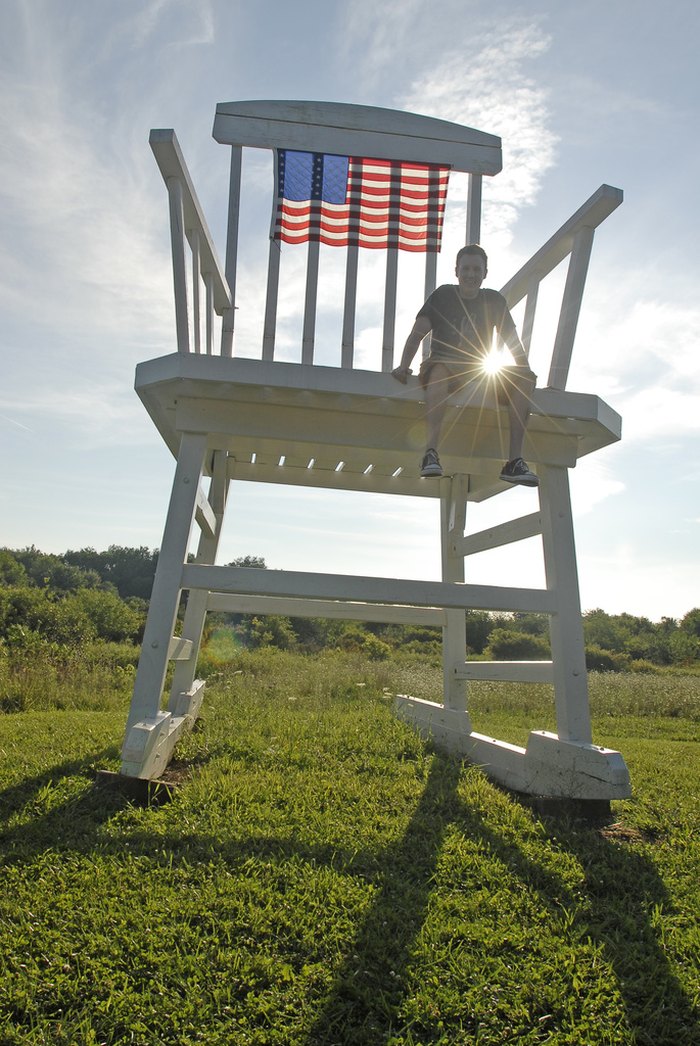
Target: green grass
x,y
322,877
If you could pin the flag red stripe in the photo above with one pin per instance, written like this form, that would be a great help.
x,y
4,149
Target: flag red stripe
x,y
388,204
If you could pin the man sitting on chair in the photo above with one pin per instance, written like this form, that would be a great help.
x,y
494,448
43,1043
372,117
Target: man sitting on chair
x,y
462,319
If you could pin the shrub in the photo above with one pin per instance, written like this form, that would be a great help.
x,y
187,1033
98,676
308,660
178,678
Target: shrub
x,y
598,659
507,644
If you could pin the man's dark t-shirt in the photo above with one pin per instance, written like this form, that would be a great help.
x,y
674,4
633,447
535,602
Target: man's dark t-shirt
x,y
462,328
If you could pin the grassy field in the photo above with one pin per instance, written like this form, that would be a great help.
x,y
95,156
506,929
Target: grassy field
x,y
323,877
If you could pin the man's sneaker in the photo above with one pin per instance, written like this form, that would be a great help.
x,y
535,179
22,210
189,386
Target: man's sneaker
x,y
516,471
431,464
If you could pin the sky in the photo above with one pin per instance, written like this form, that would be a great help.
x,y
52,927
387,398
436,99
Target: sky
x,y
581,94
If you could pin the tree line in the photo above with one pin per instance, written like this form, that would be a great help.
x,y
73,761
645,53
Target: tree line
x,y
86,595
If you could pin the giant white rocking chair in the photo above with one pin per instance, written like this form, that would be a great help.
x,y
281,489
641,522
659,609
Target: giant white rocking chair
x,y
235,416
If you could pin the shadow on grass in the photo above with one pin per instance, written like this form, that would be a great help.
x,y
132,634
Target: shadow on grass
x,y
49,824
614,906
614,909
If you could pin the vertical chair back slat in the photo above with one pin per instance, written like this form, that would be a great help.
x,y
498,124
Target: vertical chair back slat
x,y
193,239
389,325
347,347
570,307
270,321
473,231
308,336
234,207
177,241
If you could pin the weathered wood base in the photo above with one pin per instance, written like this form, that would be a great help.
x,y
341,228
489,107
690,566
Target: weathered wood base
x,y
149,744
547,767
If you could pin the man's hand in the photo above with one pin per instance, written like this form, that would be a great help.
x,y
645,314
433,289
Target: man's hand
x,y
401,374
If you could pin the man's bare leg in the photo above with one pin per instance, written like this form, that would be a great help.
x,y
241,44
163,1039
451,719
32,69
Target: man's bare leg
x,y
519,389
436,395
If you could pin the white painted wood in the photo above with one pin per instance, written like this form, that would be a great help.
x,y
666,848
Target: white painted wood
x,y
357,589
209,313
177,238
453,510
590,215
507,671
473,230
270,321
193,238
168,154
347,350
530,310
499,535
430,281
227,322
234,202
547,767
165,596
179,649
195,612
305,430
388,614
356,130
574,769
570,308
149,744
188,702
205,514
309,330
389,325
566,628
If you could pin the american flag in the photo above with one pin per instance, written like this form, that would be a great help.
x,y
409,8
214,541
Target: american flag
x,y
348,200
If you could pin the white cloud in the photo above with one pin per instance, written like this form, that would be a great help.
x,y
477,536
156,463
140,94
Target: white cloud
x,y
646,361
492,91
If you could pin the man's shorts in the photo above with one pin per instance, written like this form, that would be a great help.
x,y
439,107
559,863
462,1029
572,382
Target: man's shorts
x,y
461,375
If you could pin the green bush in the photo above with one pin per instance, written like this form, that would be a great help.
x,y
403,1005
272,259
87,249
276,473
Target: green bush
x,y
600,660
507,644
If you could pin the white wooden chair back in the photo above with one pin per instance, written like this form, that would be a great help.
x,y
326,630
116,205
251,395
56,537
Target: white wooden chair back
x,y
329,127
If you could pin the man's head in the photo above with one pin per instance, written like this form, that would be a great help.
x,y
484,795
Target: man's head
x,y
471,268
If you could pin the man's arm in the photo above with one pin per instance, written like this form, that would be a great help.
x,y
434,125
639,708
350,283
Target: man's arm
x,y
421,328
509,335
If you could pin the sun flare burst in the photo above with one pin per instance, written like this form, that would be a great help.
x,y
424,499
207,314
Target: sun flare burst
x,y
493,362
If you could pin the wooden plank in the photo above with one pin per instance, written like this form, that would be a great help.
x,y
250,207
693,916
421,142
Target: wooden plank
x,y
389,309
168,154
309,328
177,240
473,231
205,515
165,597
566,627
503,534
363,439
209,313
594,211
234,206
357,130
270,321
398,615
570,308
347,350
194,240
354,589
453,511
530,309
180,649
507,671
